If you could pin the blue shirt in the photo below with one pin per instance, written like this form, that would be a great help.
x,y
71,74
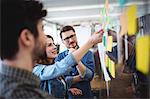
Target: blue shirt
x,y
46,72
49,74
88,61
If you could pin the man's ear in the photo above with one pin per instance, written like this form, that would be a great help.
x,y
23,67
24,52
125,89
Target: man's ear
x,y
26,37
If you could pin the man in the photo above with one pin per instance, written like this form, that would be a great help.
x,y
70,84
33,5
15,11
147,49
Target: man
x,y
23,41
69,39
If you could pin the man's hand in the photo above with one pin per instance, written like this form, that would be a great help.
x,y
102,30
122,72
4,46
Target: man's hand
x,y
75,91
71,50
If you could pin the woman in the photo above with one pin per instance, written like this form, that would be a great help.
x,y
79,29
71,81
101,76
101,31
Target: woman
x,y
56,86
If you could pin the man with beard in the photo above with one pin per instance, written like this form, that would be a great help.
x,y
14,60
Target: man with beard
x,y
22,42
69,39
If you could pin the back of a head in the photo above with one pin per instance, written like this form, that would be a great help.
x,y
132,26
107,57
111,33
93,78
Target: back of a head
x,y
17,15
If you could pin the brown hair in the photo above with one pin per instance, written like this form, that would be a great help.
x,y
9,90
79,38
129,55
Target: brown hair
x,y
44,59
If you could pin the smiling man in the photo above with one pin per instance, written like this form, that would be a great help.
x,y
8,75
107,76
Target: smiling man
x,y
69,39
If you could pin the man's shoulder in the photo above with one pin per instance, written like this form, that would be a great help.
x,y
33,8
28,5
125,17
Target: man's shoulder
x,y
26,92
89,54
63,52
62,55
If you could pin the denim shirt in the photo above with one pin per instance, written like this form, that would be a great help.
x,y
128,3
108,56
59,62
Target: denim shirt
x,y
46,72
88,61
54,87
49,74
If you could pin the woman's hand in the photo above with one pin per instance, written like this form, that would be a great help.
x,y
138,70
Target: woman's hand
x,y
96,37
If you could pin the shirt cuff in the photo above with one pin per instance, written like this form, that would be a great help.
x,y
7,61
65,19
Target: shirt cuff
x,y
69,80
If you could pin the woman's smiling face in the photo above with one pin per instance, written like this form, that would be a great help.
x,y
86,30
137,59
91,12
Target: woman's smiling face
x,y
51,49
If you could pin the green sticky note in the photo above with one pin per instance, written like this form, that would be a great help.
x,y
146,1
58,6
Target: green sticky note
x,y
104,41
104,12
122,2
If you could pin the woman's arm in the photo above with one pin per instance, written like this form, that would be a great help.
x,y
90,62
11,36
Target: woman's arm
x,y
57,69
46,72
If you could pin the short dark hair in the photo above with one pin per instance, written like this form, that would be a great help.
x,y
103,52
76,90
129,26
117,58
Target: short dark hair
x,y
66,28
16,16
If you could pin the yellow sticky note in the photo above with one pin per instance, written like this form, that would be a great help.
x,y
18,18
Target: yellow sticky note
x,y
109,43
131,20
107,60
112,68
143,54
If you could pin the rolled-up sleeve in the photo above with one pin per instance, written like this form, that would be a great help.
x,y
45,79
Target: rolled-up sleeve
x,y
88,74
88,61
46,72
69,80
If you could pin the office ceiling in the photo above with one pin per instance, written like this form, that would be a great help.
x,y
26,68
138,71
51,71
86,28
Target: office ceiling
x,y
77,11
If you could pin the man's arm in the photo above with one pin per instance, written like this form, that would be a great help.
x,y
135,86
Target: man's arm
x,y
86,66
86,70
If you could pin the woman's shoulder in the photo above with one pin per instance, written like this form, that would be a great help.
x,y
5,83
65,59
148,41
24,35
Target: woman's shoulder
x,y
38,68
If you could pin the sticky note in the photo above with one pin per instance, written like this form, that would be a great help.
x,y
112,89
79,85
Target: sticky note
x,y
106,6
104,41
123,23
131,19
111,68
109,43
122,2
143,54
103,12
107,21
101,51
107,60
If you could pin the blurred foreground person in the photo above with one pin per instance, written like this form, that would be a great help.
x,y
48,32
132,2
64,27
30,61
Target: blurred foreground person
x,y
22,42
